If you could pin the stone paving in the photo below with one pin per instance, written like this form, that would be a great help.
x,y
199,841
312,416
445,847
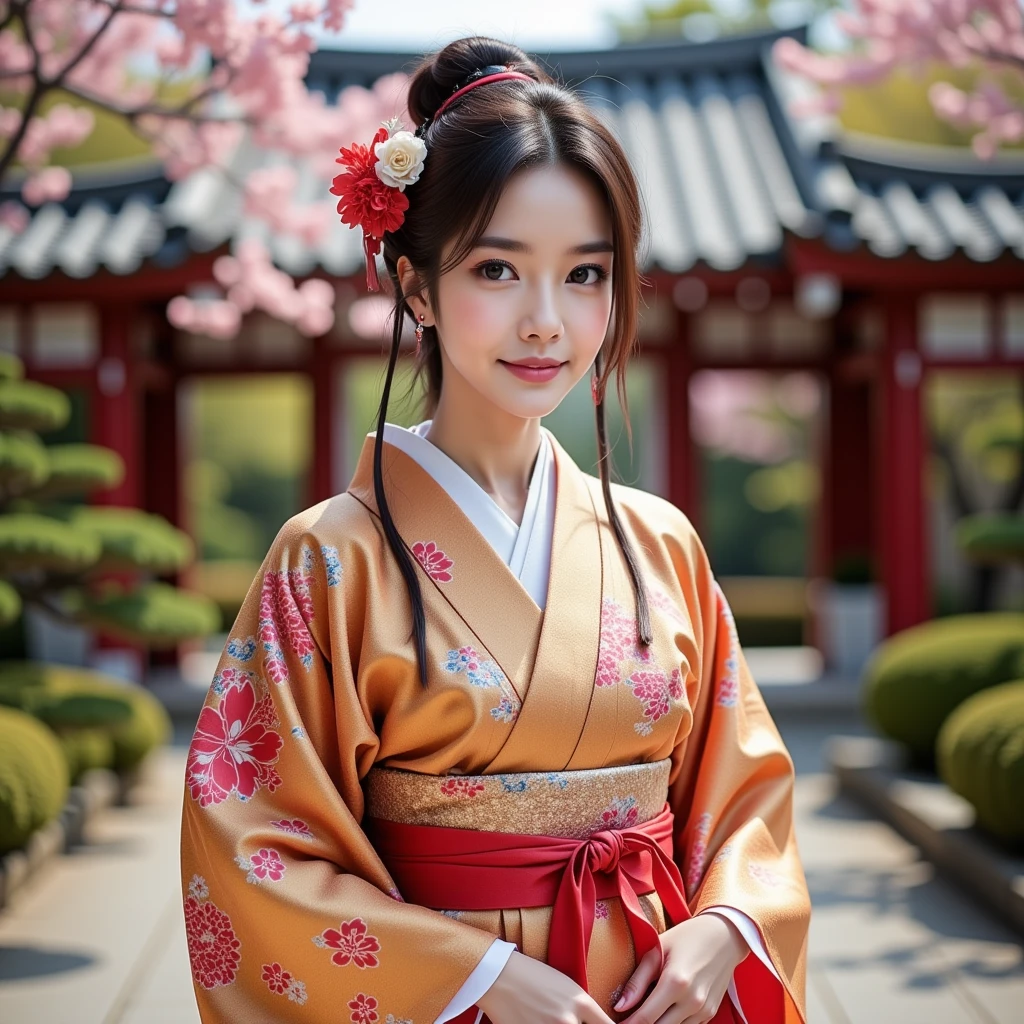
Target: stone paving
x,y
98,935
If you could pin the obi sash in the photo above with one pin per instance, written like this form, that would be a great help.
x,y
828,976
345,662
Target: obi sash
x,y
612,842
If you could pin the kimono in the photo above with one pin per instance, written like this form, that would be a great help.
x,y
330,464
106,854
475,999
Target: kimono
x,y
318,755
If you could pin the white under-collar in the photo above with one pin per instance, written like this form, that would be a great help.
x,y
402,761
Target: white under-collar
x,y
526,548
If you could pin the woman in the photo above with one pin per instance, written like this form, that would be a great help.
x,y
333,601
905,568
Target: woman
x,y
482,744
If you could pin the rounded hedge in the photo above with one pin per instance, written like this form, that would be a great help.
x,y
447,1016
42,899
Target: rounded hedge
x,y
59,691
86,748
980,755
33,777
917,677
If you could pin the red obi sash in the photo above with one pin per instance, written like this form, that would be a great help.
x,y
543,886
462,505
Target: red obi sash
x,y
464,869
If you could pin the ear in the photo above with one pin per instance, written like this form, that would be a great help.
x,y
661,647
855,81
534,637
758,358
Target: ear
x,y
413,291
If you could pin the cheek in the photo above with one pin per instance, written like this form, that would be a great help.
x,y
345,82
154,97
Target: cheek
x,y
475,314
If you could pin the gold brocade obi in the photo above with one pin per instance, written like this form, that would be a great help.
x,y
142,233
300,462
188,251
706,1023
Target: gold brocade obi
x,y
569,804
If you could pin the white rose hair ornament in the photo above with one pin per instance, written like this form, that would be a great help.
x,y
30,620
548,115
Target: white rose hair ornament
x,y
372,186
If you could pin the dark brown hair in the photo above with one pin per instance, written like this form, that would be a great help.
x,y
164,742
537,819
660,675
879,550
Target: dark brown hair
x,y
477,144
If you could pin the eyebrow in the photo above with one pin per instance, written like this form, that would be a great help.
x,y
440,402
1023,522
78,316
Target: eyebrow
x,y
512,245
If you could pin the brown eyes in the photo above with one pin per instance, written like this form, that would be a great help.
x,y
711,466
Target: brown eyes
x,y
484,270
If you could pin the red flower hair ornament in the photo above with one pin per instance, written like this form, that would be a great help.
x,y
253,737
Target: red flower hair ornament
x,y
371,188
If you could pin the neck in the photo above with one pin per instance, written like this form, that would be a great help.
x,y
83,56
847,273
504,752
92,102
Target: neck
x,y
496,449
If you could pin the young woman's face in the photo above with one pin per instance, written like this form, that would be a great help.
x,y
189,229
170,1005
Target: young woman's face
x,y
522,318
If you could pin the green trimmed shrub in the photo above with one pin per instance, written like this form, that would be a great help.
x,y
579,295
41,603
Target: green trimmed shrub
x,y
80,469
29,541
980,755
10,604
29,405
993,537
916,678
86,748
59,691
33,777
156,613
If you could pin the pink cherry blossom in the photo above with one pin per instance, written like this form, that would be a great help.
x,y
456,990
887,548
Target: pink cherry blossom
x,y
987,35
253,63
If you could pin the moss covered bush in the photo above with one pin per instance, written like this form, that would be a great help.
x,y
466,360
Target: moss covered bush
x,y
33,777
980,755
74,700
916,678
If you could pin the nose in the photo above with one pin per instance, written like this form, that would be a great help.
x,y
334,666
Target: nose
x,y
544,323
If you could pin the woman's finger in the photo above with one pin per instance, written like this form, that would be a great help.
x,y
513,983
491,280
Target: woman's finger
x,y
646,972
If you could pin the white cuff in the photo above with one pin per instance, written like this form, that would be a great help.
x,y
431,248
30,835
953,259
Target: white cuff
x,y
483,977
752,937
749,932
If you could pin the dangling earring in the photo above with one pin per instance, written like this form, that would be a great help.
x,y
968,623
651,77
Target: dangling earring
x,y
593,389
419,335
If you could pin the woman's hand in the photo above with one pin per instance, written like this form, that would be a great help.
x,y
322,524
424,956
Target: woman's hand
x,y
528,991
700,956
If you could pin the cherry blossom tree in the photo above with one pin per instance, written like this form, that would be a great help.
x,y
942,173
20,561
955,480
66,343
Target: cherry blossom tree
x,y
986,35
191,77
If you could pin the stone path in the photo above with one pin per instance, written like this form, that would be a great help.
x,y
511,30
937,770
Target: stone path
x,y
98,936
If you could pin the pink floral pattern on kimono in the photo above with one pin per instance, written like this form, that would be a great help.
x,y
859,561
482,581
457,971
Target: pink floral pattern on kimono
x,y
352,944
655,691
698,851
263,866
456,786
284,983
213,947
728,687
364,1009
620,659
437,564
294,826
285,608
234,747
623,812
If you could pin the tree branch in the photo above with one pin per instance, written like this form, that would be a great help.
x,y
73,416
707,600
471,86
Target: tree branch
x,y
115,9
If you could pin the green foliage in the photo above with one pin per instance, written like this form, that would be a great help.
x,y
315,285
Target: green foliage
x,y
24,463
33,777
918,677
50,552
29,541
28,405
30,685
132,539
10,604
980,755
86,748
77,469
11,367
154,613
992,537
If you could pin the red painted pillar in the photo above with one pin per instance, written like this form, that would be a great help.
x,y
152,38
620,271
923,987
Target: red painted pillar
x,y
848,475
116,421
682,467
117,424
900,448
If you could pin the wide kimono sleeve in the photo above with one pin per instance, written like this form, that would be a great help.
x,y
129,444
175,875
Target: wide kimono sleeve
x,y
732,794
290,914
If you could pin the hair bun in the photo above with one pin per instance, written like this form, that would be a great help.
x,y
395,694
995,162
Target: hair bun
x,y
459,63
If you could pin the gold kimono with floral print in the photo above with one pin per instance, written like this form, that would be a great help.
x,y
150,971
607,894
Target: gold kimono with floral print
x,y
532,722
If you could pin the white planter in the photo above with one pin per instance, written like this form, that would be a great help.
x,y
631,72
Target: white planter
x,y
852,617
48,639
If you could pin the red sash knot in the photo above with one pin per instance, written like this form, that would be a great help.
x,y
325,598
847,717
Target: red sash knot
x,y
465,869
